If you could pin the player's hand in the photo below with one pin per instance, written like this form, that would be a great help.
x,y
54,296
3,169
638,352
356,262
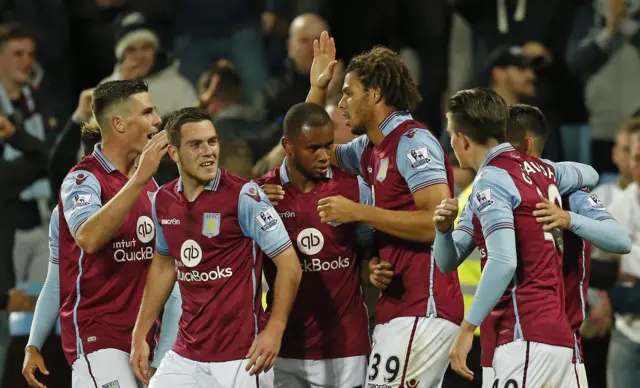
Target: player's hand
x,y
380,273
460,350
445,214
83,111
7,129
337,209
273,192
150,158
140,360
32,361
264,351
324,61
600,319
551,215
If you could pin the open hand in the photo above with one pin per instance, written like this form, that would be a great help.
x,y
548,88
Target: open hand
x,y
553,217
33,360
264,351
324,61
273,192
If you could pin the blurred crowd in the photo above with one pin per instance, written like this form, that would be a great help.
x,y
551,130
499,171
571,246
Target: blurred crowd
x,y
248,61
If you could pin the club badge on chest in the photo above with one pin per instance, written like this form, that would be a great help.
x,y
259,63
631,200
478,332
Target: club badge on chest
x,y
383,167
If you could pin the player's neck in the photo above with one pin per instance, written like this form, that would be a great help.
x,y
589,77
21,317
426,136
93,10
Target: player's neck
x,y
297,179
480,153
123,161
374,133
191,188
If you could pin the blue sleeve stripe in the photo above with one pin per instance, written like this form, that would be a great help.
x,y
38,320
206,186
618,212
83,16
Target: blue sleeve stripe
x,y
465,229
605,217
431,182
580,180
339,158
279,250
497,226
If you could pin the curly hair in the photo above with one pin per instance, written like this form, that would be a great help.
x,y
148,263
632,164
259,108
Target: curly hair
x,y
383,68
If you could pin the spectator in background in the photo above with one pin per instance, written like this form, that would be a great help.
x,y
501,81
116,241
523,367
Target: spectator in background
x,y
541,28
139,55
513,73
15,175
291,88
210,30
18,104
244,136
603,53
623,365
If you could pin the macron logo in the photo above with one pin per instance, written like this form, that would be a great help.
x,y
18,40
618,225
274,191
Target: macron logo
x,y
172,221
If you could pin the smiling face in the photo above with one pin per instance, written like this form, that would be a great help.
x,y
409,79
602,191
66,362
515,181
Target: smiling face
x,y
356,104
197,154
142,123
310,151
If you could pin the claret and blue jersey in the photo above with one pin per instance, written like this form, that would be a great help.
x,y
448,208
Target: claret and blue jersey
x,y
408,160
216,242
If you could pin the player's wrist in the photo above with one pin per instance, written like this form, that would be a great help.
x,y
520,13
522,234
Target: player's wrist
x,y
467,327
31,349
276,325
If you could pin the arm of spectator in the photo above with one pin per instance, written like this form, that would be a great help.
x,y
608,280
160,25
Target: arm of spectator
x,y
589,48
630,30
64,154
470,10
19,173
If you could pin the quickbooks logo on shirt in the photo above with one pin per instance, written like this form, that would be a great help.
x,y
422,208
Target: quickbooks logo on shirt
x,y
317,265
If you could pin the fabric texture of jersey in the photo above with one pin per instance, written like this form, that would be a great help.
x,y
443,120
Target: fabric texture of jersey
x,y
100,293
409,159
215,241
329,318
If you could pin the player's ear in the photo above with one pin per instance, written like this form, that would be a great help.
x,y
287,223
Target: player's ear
x,y
173,153
286,144
377,96
465,141
117,123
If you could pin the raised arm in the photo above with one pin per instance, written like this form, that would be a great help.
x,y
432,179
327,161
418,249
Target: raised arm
x,y
260,221
98,223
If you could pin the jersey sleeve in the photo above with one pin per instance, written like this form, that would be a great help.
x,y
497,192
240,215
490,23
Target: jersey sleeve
x,y
348,155
420,160
592,222
161,243
493,199
572,176
364,232
260,221
47,308
54,236
169,326
81,198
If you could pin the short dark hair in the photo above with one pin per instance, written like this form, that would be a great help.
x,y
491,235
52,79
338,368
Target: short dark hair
x,y
525,118
304,114
383,68
110,93
90,136
631,126
481,114
177,119
14,31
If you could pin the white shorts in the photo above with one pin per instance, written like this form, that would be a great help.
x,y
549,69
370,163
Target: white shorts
x,y
410,352
581,375
488,376
104,368
541,365
348,372
176,371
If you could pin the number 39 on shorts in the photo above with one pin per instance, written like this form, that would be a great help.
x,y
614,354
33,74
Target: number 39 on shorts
x,y
389,368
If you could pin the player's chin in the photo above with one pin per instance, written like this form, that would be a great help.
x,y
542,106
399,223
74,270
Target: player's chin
x,y
207,170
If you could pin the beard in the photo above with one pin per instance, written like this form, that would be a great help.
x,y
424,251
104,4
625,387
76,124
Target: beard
x,y
308,175
359,129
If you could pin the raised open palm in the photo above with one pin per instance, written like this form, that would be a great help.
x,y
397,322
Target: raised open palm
x,y
324,60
